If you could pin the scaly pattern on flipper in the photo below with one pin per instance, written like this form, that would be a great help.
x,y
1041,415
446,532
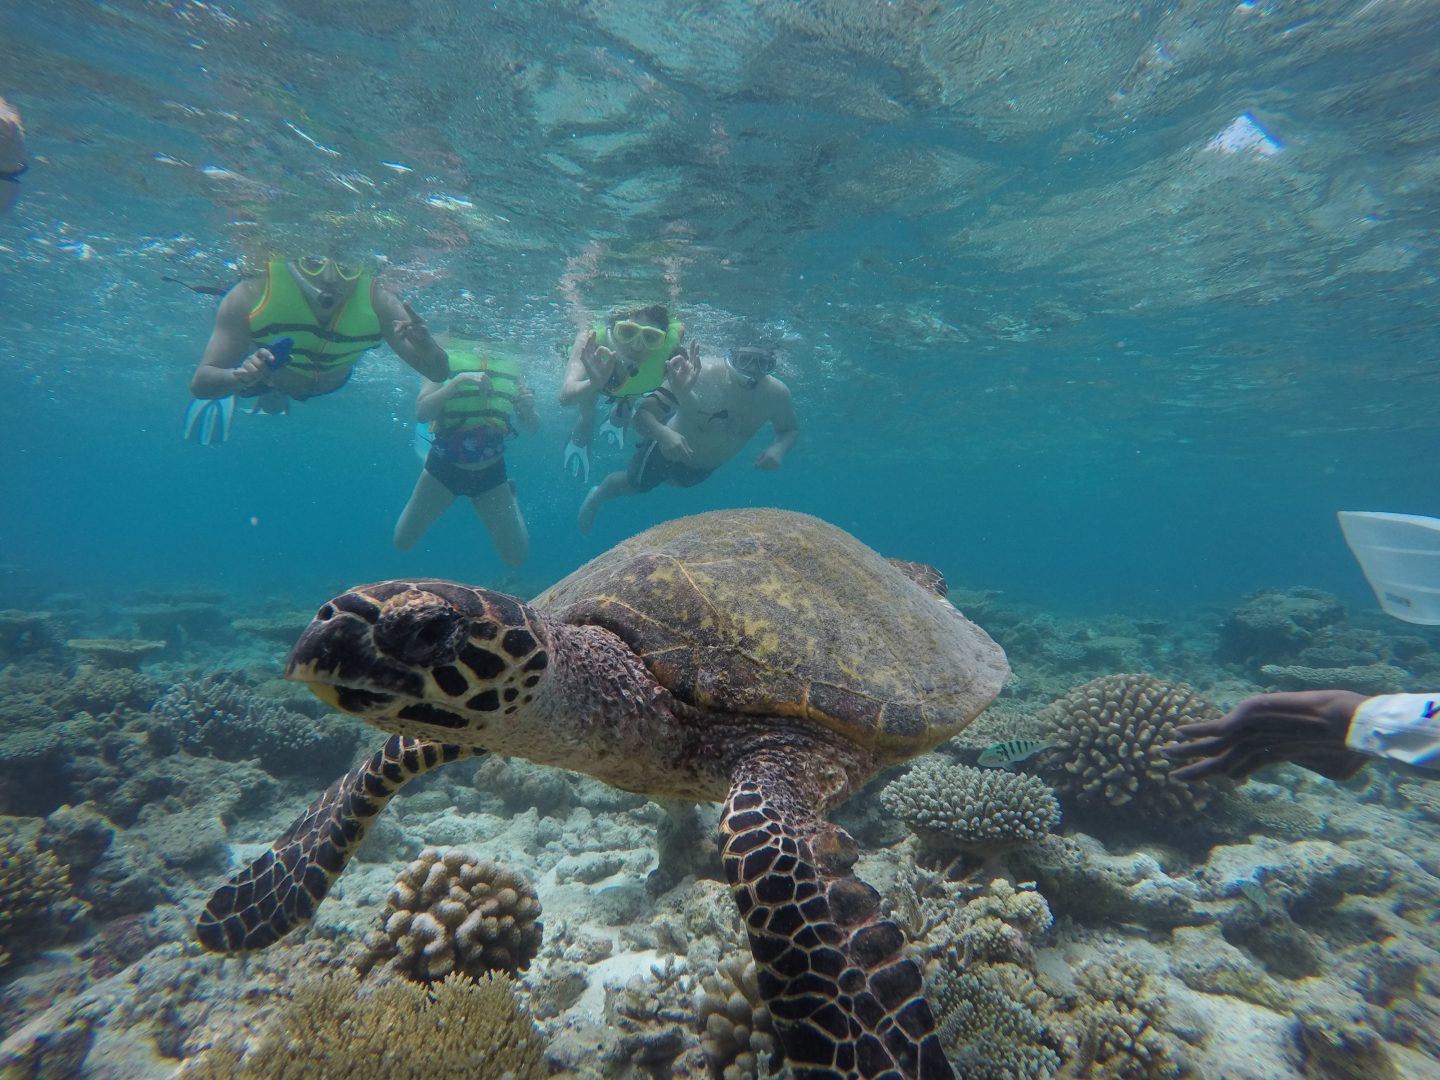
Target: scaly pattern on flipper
x,y
845,1000
282,888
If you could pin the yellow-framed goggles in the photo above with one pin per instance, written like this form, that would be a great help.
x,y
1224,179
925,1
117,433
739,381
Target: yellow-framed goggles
x,y
315,266
627,332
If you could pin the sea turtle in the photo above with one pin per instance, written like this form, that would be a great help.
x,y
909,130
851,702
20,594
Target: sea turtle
x,y
760,658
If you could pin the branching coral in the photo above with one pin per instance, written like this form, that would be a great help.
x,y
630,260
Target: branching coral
x,y
990,1022
992,1015
1117,1024
450,912
35,898
341,1030
954,808
221,717
1110,731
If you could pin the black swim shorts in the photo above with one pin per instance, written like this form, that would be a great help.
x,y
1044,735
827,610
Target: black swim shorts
x,y
466,483
649,469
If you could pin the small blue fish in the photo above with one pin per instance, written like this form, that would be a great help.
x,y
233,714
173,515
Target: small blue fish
x,y
1003,755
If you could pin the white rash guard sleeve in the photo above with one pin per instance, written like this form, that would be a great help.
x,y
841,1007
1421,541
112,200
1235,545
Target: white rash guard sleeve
x,y
1403,727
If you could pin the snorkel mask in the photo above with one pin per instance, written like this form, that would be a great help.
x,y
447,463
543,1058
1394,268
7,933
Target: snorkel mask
x,y
313,266
630,333
751,364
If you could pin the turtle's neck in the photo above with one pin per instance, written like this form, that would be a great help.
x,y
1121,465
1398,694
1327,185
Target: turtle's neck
x,y
599,711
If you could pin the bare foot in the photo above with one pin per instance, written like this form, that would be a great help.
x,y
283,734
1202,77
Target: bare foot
x,y
588,509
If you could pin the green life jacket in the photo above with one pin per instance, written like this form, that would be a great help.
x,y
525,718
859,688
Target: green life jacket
x,y
470,407
651,372
318,350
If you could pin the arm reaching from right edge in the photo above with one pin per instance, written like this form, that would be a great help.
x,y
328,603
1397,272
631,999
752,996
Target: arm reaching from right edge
x,y
1331,732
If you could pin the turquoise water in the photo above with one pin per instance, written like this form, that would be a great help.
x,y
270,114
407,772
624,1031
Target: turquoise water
x,y
1040,328
1103,309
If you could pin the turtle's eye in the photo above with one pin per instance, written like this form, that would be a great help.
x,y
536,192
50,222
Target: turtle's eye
x,y
421,634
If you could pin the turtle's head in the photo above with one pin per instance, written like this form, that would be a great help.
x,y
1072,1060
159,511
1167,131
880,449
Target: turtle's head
x,y
430,659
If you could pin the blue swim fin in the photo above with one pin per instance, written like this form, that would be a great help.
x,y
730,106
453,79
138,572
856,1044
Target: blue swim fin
x,y
207,420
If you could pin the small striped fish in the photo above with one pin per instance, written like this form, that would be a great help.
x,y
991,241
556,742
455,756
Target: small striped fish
x,y
1003,755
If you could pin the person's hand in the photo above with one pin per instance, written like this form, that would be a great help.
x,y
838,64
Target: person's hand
x,y
683,368
674,446
412,329
254,370
480,380
769,459
525,404
598,361
1307,728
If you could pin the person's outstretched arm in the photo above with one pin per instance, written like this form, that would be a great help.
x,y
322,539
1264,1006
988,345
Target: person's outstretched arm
x,y
228,366
786,427
1331,732
405,332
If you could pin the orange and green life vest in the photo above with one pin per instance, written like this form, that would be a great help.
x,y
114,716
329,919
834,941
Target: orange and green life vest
x,y
651,371
318,350
470,407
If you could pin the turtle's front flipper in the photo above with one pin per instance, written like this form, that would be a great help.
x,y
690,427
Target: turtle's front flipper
x,y
844,999
282,888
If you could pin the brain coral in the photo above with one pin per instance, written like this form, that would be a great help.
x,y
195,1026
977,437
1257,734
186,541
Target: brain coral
x,y
337,1029
450,912
955,808
1110,731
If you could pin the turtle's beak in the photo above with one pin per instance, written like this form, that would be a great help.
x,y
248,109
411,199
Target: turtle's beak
x,y
338,659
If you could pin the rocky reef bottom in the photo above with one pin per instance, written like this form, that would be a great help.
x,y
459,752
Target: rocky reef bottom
x,y
1078,915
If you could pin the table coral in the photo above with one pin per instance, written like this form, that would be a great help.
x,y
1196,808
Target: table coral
x,y
450,912
125,654
956,808
1110,731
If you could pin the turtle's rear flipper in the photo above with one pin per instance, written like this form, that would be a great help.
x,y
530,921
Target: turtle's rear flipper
x,y
844,999
282,888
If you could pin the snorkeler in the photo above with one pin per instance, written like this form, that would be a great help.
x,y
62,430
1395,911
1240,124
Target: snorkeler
x,y
1330,732
470,415
624,358
701,418
13,163
331,311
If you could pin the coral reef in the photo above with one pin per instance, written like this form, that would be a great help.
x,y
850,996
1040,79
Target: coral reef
x,y
125,654
1090,885
1368,679
993,1016
26,633
990,1024
36,903
1276,624
341,1030
221,717
1117,1024
956,808
1109,732
737,1034
450,912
